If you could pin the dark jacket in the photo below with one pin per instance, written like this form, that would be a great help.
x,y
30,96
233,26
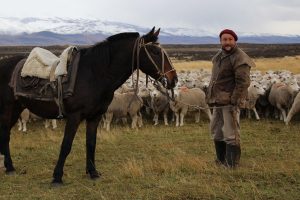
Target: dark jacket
x,y
230,78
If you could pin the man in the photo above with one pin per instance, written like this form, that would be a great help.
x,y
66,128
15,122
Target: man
x,y
227,93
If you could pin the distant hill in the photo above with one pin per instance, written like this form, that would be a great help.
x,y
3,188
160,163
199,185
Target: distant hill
x,y
50,38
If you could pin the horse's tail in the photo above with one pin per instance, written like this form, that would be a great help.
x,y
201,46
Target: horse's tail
x,y
7,66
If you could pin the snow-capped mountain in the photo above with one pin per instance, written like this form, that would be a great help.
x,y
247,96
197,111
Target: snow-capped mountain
x,y
50,31
17,26
57,25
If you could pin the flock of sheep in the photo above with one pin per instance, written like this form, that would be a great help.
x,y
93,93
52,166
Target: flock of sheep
x,y
273,94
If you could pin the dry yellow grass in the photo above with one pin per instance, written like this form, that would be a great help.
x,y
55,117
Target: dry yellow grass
x,y
263,64
191,65
157,162
286,63
132,168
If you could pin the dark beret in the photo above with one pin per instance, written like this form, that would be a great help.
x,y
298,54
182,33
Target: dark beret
x,y
228,31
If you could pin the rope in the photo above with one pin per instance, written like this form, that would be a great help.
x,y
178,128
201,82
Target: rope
x,y
61,109
158,87
204,108
139,43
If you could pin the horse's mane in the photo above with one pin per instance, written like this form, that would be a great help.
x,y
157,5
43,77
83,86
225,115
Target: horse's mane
x,y
100,52
116,37
121,36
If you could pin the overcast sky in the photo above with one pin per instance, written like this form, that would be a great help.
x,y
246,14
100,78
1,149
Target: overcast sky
x,y
243,16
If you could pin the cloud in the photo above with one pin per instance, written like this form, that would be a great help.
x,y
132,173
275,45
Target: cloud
x,y
256,16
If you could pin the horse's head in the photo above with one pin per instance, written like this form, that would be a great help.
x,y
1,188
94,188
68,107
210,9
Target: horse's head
x,y
154,60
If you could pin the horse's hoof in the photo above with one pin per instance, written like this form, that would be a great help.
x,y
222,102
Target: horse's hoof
x,y
10,172
56,183
94,175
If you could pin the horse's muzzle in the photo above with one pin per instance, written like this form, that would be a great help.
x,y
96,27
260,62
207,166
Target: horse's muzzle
x,y
171,83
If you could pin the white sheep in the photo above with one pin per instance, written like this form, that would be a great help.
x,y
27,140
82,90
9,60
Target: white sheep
x,y
50,122
23,119
159,104
282,95
144,93
26,116
122,105
294,109
189,100
254,91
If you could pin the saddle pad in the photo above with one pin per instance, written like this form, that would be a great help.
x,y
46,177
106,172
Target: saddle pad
x,y
43,89
39,63
64,58
30,86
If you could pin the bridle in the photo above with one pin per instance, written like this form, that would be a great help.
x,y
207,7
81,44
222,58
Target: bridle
x,y
163,53
138,45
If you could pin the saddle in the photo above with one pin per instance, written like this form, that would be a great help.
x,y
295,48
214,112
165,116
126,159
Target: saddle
x,y
44,64
46,77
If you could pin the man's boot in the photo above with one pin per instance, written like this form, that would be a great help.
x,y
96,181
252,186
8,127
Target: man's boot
x,y
220,147
233,155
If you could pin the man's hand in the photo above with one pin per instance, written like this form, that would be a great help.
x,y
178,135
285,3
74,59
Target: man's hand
x,y
240,102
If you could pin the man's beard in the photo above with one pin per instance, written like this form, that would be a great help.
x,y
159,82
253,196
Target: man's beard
x,y
224,48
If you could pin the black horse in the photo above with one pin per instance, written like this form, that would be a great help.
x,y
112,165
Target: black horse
x,y
102,68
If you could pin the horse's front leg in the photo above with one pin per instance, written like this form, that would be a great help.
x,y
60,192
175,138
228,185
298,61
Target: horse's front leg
x,y
71,127
91,136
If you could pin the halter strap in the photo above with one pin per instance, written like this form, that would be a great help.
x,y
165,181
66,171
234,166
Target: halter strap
x,y
161,72
140,43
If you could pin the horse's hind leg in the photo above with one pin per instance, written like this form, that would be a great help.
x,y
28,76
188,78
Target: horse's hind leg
x,y
71,127
5,150
91,133
7,120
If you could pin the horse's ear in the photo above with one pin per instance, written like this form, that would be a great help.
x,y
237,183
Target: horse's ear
x,y
156,33
150,34
152,31
151,37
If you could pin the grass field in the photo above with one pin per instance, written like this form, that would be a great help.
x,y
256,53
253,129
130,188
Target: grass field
x,y
161,162
263,64
157,163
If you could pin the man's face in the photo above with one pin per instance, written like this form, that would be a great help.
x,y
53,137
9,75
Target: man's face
x,y
227,42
